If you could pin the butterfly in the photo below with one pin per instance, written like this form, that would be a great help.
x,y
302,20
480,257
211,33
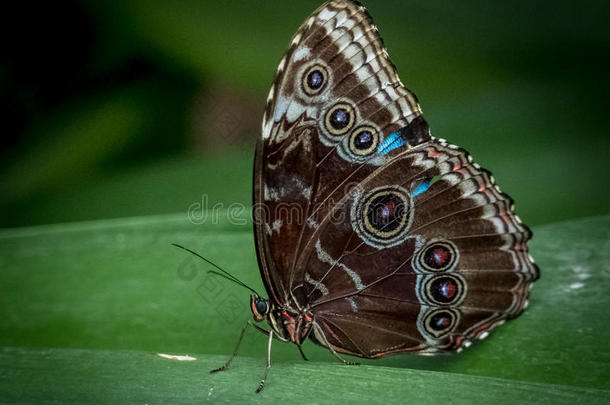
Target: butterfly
x,y
373,237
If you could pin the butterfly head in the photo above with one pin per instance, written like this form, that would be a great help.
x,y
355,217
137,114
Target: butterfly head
x,y
260,307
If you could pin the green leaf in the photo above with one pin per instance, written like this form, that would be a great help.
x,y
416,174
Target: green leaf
x,y
85,307
73,375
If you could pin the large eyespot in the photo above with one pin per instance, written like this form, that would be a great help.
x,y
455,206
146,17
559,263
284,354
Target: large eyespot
x,y
315,80
364,141
339,119
444,289
437,256
439,322
385,213
383,216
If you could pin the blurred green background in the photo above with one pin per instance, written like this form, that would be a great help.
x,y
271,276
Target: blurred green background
x,y
114,109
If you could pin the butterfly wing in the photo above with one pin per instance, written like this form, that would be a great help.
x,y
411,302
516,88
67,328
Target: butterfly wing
x,y
335,99
418,268
394,240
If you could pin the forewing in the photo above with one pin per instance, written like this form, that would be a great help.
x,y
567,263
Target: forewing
x,y
335,101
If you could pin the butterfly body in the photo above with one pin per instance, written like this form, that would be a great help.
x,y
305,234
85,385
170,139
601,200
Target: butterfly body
x,y
288,323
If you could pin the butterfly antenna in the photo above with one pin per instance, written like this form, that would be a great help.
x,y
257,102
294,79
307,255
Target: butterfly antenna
x,y
223,273
233,280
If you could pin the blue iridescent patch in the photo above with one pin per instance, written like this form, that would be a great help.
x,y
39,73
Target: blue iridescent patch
x,y
392,142
422,188
425,185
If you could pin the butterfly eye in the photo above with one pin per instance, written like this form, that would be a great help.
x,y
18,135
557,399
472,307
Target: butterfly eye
x,y
445,290
259,307
439,256
340,119
439,322
262,307
314,80
364,141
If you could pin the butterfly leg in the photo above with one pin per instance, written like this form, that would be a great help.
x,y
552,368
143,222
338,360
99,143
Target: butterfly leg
x,y
321,336
228,363
345,362
262,384
302,354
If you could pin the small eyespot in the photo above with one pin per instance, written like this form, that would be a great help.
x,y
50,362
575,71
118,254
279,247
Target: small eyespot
x,y
440,322
437,256
315,80
445,289
340,119
364,141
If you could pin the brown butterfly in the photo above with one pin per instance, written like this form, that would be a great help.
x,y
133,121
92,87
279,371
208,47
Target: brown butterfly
x,y
373,237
